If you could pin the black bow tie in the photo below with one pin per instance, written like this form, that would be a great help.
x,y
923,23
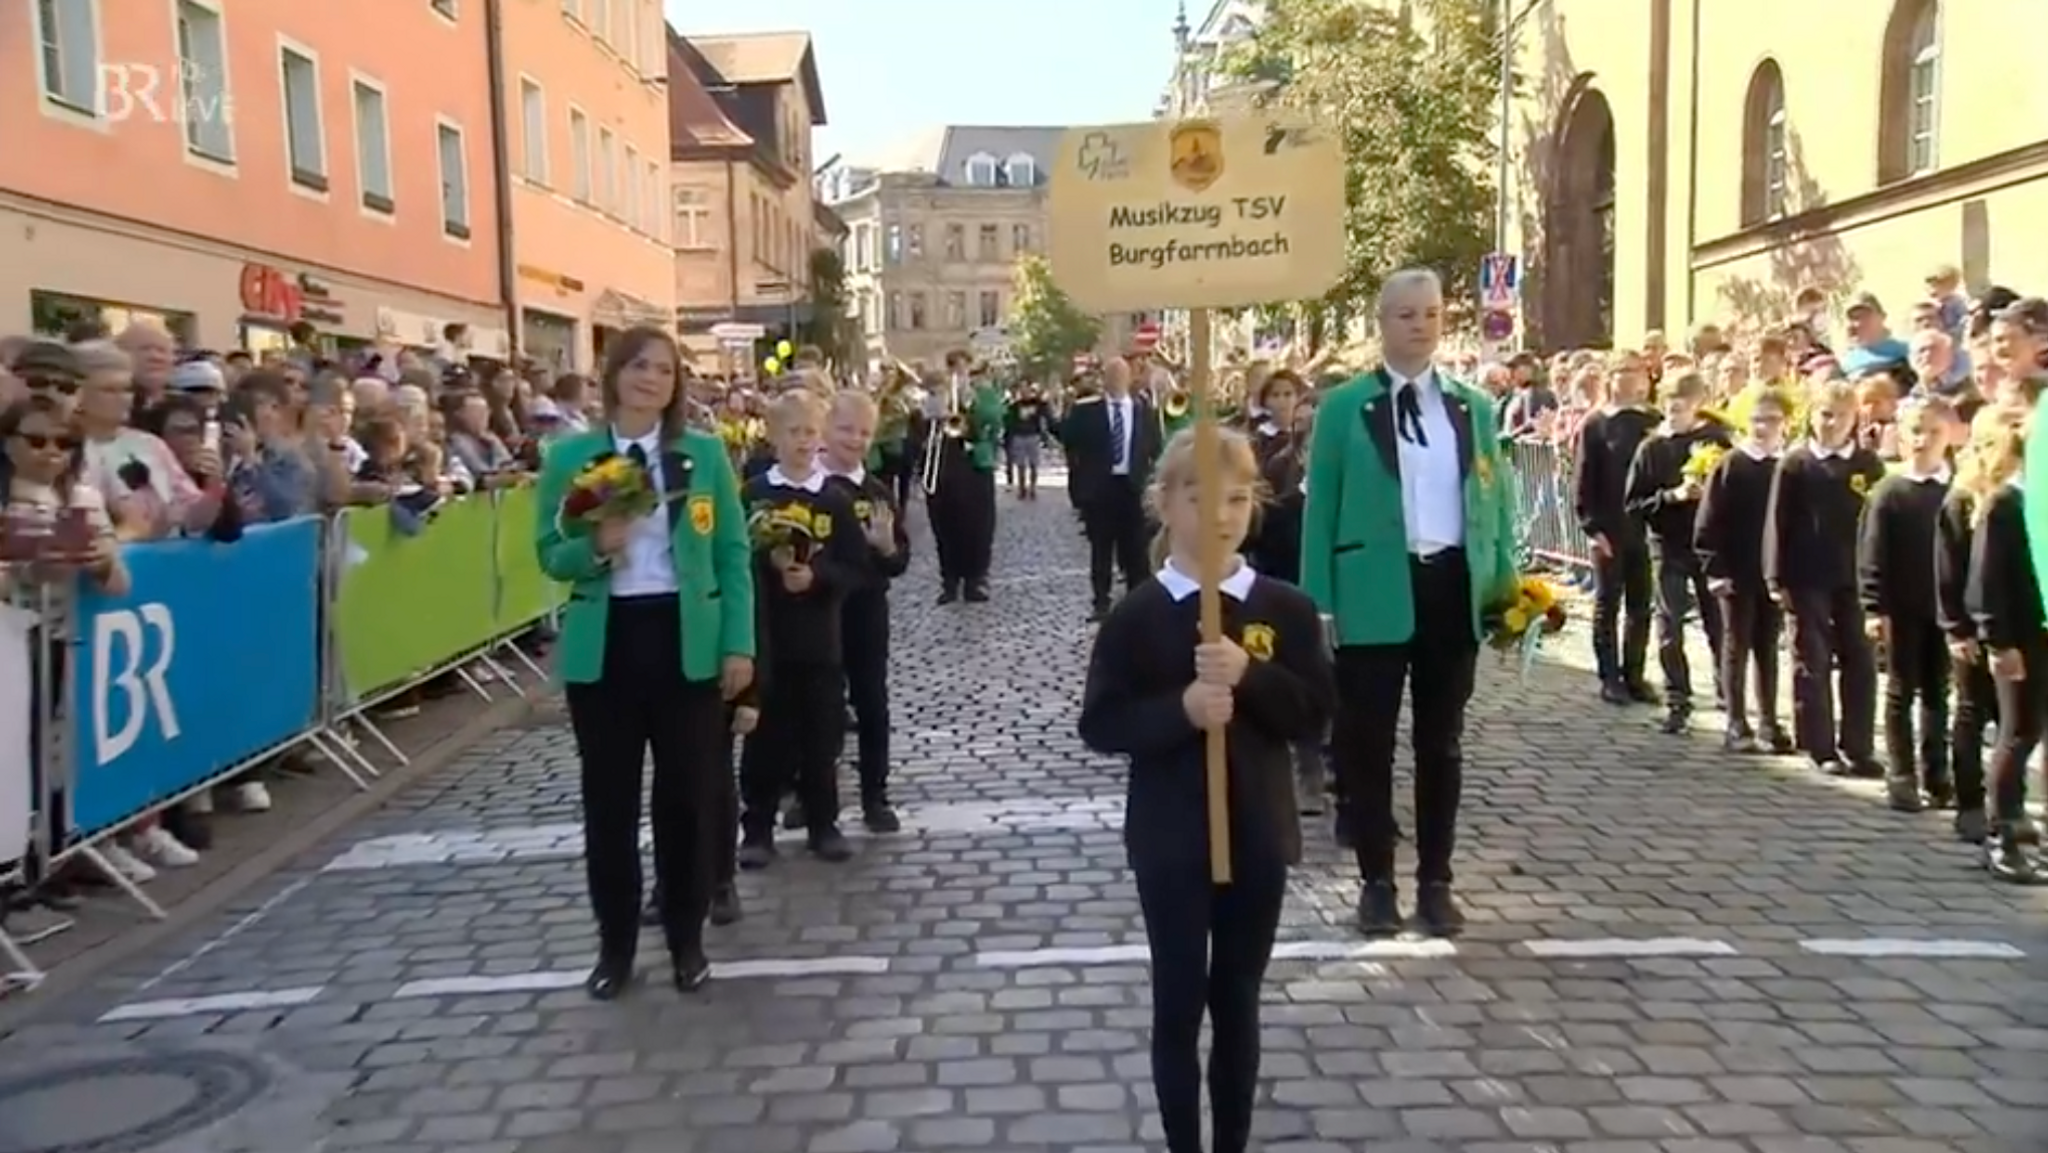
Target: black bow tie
x,y
1408,415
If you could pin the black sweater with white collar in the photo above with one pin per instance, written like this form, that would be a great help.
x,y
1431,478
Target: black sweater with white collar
x,y
1895,552
804,628
1144,659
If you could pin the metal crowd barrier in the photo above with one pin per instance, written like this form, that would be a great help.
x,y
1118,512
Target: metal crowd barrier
x,y
1543,496
225,655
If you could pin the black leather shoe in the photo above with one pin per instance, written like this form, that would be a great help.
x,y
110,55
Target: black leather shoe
x,y
879,817
794,819
949,594
608,978
1436,910
756,852
1379,909
831,845
977,591
1099,613
690,971
725,905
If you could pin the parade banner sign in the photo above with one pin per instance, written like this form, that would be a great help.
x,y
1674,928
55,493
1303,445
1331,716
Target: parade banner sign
x,y
1197,213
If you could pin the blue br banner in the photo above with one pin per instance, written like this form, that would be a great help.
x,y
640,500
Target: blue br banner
x,y
213,657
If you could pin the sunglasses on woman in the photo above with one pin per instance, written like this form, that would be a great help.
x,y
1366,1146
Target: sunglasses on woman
x,y
64,385
43,441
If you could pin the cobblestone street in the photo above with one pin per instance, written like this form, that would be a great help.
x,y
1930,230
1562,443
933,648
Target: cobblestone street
x,y
1670,952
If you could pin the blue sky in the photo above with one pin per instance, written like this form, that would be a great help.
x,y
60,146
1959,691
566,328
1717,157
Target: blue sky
x,y
891,67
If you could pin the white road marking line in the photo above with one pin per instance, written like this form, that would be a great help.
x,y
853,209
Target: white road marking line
x,y
1910,947
223,1003
1564,947
1040,958
1391,949
550,980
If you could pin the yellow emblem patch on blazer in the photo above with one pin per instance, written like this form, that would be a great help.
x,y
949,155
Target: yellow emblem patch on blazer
x,y
821,524
1859,484
1484,468
703,516
865,510
1257,642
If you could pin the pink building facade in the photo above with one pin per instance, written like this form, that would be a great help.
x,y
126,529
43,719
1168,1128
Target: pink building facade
x,y
230,169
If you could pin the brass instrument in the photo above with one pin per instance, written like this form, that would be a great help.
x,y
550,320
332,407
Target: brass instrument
x,y
1175,405
952,427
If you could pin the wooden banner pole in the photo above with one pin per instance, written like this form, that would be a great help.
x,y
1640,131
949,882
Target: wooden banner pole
x,y
1209,509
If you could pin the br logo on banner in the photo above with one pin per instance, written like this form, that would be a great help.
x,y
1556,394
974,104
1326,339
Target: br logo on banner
x,y
212,661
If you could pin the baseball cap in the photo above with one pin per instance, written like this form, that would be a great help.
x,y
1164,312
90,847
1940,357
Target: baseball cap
x,y
1863,301
197,376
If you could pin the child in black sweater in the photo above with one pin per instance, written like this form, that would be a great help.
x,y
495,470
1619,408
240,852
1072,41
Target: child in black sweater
x,y
2004,599
1154,693
1621,557
849,433
1664,488
1895,572
1728,534
809,556
1976,695
1815,515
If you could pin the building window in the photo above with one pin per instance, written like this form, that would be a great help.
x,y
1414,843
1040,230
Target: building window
x,y
917,317
896,317
373,146
1020,170
203,82
1910,92
956,243
573,9
989,247
445,9
981,170
607,170
654,198
579,154
305,135
1764,159
533,130
693,218
69,37
892,245
1020,238
632,180
600,20
913,236
874,247
454,180
956,310
991,308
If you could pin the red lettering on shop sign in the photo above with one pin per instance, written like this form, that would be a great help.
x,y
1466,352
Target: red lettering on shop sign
x,y
268,292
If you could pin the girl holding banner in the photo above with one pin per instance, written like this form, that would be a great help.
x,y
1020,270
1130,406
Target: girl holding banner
x,y
1266,684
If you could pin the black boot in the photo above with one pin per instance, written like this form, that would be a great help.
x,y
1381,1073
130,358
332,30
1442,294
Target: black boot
x,y
1436,910
1379,909
977,590
609,978
949,592
725,905
880,817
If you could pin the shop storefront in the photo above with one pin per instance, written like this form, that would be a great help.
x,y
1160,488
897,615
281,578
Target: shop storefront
x,y
57,272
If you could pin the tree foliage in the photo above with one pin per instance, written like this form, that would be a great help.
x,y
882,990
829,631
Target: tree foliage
x,y
1414,90
831,329
1047,330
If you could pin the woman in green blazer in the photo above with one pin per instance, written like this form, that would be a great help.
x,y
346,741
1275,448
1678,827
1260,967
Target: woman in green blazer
x,y
657,634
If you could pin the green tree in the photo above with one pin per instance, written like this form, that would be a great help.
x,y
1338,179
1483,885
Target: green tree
x,y
1047,330
830,328
1414,91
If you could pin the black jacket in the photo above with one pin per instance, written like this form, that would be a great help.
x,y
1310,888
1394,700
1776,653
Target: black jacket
x,y
1091,458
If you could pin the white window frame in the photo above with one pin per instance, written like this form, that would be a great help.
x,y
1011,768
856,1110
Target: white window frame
x,y
199,152
467,224
540,173
1029,164
1927,57
370,83
629,194
982,164
56,101
693,218
599,20
572,11
606,193
656,197
449,12
325,173
583,187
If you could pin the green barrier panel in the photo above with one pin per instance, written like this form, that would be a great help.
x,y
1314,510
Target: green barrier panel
x,y
525,594
407,604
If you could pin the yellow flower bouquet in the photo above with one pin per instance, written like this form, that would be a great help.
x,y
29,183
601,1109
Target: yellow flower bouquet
x,y
1702,460
788,533
1519,625
612,487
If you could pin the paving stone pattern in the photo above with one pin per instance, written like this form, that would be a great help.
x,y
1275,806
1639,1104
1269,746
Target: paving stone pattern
x,y
1582,823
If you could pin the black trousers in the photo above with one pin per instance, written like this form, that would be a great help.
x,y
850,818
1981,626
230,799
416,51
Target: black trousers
x,y
1751,625
1114,520
803,726
2022,713
1682,585
1437,666
963,514
1827,638
904,475
1916,665
866,642
1976,706
1621,613
1210,945
725,867
641,702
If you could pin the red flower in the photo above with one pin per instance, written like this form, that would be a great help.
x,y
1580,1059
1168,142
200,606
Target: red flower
x,y
581,503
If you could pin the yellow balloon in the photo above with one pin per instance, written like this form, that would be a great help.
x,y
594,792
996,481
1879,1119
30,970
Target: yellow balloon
x,y
771,366
783,349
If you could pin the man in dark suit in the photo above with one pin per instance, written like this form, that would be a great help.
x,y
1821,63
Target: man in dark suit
x,y
1111,439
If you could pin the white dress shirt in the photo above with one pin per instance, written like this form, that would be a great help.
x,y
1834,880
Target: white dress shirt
x,y
813,483
1432,485
1117,408
647,565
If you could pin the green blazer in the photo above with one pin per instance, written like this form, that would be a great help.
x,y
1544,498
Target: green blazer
x,y
986,410
1354,536
708,532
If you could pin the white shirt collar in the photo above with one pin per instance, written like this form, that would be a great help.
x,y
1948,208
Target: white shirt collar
x,y
1940,475
858,474
1422,380
812,483
1180,586
1754,451
1841,453
649,444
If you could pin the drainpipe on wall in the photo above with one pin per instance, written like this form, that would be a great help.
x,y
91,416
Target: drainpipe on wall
x,y
732,238
1692,176
501,171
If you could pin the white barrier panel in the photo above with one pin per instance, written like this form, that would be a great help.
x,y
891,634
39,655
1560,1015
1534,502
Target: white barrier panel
x,y
17,703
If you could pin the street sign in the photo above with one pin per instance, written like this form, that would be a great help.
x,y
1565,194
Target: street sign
x,y
1197,213
735,332
992,337
1145,337
1499,278
1498,324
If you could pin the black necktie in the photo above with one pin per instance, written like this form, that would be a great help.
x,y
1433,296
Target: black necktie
x,y
1116,435
1408,415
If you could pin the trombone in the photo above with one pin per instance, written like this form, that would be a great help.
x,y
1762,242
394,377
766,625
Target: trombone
x,y
952,427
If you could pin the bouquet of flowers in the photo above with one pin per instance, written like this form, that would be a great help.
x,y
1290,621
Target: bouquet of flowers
x,y
788,533
612,487
1701,462
1519,625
